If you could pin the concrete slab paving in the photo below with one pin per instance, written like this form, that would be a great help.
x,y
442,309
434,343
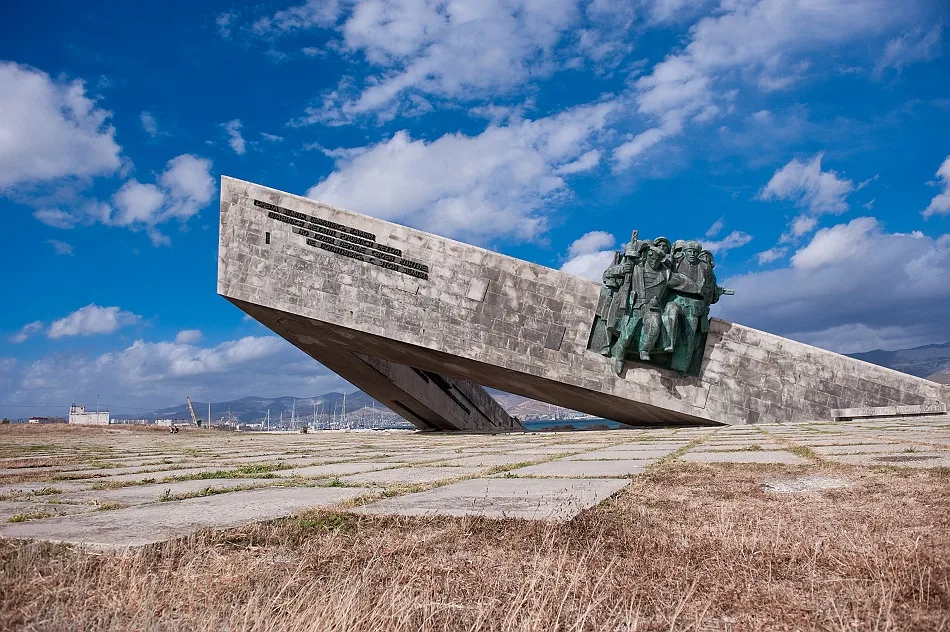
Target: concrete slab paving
x,y
334,469
11,509
409,475
531,499
614,468
141,494
155,476
26,489
146,524
491,460
373,459
619,455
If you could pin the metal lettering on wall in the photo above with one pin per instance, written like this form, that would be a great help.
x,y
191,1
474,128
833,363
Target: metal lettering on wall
x,y
346,241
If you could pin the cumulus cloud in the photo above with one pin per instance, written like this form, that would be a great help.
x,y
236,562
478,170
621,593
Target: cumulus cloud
x,y
180,192
90,320
235,140
844,242
148,375
851,288
940,204
463,49
589,255
51,129
591,242
808,187
735,239
26,331
188,337
495,184
770,255
763,40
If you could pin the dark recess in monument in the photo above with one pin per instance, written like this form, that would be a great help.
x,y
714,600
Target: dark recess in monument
x,y
344,240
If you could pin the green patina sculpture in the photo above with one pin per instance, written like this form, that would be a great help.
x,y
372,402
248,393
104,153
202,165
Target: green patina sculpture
x,y
654,305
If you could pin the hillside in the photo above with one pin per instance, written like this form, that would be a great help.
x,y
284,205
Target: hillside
x,y
249,409
928,361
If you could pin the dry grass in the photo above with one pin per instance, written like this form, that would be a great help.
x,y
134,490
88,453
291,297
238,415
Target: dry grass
x,y
683,547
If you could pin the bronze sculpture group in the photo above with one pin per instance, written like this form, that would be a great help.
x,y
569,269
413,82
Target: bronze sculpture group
x,y
654,304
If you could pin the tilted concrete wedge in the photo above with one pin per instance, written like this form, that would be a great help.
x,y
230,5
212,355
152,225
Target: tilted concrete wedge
x,y
421,322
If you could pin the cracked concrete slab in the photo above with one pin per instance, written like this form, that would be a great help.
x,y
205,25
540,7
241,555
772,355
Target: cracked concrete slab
x,y
409,475
613,468
146,524
532,499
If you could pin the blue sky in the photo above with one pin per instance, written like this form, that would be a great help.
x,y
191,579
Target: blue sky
x,y
807,142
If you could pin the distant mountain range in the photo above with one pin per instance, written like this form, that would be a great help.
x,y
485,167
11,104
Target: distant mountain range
x,y
249,409
929,361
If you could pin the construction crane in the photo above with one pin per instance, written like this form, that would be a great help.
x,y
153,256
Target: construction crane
x,y
191,409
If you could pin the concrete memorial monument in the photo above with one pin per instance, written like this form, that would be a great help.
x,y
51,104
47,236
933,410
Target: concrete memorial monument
x,y
421,323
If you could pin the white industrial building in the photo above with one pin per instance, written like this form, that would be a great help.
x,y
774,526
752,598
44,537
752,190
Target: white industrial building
x,y
79,415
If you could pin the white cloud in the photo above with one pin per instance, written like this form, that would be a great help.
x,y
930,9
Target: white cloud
x,y
807,186
136,203
625,153
770,255
51,130
801,225
463,49
148,375
665,11
149,124
836,244
26,331
586,162
235,140
590,243
274,138
180,192
61,247
188,185
313,13
940,204
590,266
913,46
589,255
735,239
495,184
852,284
90,320
716,228
188,337
766,41
56,218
